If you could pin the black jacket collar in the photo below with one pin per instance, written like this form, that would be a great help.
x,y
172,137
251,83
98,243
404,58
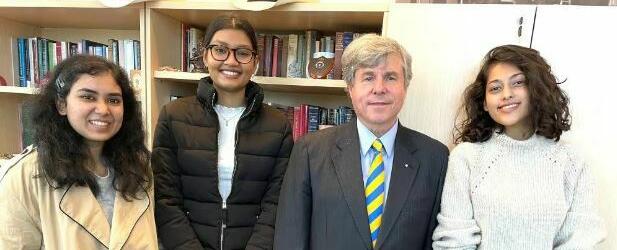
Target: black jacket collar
x,y
206,94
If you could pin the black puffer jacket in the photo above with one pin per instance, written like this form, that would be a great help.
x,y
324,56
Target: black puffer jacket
x,y
188,209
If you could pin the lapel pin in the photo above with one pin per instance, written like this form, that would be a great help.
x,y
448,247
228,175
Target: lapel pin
x,y
406,165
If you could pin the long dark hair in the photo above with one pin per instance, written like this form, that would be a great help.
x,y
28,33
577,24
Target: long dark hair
x,y
548,103
230,22
63,154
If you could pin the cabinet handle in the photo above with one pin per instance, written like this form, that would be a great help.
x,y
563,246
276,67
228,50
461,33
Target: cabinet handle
x,y
520,27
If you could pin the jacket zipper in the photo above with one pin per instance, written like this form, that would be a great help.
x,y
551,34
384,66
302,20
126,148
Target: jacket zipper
x,y
233,173
223,223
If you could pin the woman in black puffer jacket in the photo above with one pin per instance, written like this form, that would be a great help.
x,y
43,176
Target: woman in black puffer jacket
x,y
219,157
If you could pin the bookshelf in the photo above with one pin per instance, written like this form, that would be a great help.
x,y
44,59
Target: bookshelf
x,y
164,21
278,84
157,24
17,90
60,20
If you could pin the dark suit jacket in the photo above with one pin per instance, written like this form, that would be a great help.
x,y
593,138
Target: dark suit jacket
x,y
322,202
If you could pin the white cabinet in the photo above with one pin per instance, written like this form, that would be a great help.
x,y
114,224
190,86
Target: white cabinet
x,y
447,44
580,43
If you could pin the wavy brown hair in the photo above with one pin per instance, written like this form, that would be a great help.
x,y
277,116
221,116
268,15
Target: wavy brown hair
x,y
549,111
63,155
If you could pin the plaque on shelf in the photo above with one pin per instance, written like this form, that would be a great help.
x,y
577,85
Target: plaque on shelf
x,y
320,65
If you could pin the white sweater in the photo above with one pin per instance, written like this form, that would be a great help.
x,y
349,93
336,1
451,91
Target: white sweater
x,y
509,194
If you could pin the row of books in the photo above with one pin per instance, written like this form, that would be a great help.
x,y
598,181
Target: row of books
x,y
37,56
288,55
281,55
307,118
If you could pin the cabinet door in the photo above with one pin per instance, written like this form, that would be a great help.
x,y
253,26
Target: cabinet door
x,y
447,44
580,44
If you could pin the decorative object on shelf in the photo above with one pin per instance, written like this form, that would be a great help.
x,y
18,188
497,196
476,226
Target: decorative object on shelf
x,y
119,3
258,5
320,65
2,81
168,68
135,79
197,61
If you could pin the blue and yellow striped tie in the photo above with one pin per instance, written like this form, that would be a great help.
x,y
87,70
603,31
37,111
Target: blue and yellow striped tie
x,y
374,191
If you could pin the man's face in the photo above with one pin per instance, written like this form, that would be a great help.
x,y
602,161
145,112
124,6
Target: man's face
x,y
378,93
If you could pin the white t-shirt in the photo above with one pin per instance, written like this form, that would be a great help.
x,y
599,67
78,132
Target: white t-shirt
x,y
228,120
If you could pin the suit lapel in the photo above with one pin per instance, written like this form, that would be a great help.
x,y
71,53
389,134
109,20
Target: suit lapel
x,y
348,168
126,215
404,170
80,205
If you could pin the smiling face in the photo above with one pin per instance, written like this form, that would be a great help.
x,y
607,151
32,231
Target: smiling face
x,y
230,75
378,93
507,99
94,107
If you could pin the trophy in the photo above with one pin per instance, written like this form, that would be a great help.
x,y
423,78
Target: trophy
x,y
320,65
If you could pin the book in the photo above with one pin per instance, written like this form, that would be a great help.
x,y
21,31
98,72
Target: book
x,y
137,53
268,55
283,56
129,56
338,55
22,62
114,51
35,61
313,117
296,132
275,55
185,61
261,43
27,52
292,59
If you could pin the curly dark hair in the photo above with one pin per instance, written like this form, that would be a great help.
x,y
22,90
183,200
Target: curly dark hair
x,y
549,111
63,154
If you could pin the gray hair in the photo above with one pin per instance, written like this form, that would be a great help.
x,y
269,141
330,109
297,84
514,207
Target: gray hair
x,y
370,50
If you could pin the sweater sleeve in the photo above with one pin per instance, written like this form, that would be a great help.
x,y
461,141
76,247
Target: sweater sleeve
x,y
457,228
583,227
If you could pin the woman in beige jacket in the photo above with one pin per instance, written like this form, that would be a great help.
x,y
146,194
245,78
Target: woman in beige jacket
x,y
86,182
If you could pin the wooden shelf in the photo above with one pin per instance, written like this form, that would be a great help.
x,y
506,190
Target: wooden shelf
x,y
325,17
71,14
278,84
18,90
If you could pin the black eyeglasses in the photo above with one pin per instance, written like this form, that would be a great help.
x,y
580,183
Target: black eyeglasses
x,y
221,53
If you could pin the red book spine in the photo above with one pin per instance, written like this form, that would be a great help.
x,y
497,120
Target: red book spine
x,y
304,119
296,123
58,52
184,28
261,42
275,55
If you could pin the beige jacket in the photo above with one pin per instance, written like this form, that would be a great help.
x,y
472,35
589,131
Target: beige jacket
x,y
34,215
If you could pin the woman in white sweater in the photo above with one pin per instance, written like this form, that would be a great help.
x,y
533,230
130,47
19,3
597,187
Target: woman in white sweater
x,y
510,183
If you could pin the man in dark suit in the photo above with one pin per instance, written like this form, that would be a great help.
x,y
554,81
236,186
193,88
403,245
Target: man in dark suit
x,y
370,184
